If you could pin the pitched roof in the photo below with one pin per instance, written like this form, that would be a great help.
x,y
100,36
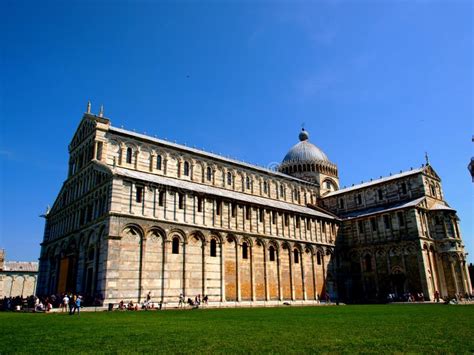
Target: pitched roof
x,y
21,266
441,207
382,209
375,182
207,154
231,195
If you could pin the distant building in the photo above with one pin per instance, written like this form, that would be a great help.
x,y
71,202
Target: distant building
x,y
138,214
471,165
17,278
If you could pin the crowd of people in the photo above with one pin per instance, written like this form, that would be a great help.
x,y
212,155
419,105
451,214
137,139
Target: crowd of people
x,y
72,303
420,297
66,302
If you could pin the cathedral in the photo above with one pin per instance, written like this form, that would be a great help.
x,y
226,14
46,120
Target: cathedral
x,y
139,215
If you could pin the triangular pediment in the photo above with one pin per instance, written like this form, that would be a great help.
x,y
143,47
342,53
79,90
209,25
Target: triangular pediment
x,y
95,166
428,170
85,128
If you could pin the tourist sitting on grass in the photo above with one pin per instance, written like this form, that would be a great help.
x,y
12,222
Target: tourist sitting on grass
x,y
192,303
39,307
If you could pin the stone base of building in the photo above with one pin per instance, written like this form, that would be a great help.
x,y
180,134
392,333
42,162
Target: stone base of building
x,y
213,305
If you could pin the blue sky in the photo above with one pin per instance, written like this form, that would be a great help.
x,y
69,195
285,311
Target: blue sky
x,y
376,84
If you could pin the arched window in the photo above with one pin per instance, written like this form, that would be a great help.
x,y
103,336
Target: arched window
x,y
175,246
296,256
209,173
186,169
158,162
229,178
318,258
368,263
271,251
213,247
129,155
265,187
282,191
247,182
245,252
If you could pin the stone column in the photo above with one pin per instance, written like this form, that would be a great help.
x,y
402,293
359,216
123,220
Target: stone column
x,y
152,161
252,274
185,279
292,281
441,276
303,275
11,285
280,289
376,271
468,280
94,150
204,262
142,267
136,159
434,276
323,263
314,266
422,270
222,244
434,263
164,267
34,284
265,270
463,277
80,269
453,273
362,269
121,154
237,268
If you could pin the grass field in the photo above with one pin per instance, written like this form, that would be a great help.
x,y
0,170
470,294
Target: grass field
x,y
373,329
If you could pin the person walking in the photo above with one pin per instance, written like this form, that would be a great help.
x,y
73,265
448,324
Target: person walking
x,y
78,305
72,304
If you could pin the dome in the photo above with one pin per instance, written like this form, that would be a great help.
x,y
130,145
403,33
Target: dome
x,y
304,151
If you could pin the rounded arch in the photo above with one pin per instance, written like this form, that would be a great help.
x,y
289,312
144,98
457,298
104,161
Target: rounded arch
x,y
308,249
231,238
274,244
155,232
260,242
177,233
333,182
72,244
133,229
91,237
215,235
298,246
246,240
130,144
197,234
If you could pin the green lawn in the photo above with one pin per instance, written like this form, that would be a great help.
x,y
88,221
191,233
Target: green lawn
x,y
372,328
